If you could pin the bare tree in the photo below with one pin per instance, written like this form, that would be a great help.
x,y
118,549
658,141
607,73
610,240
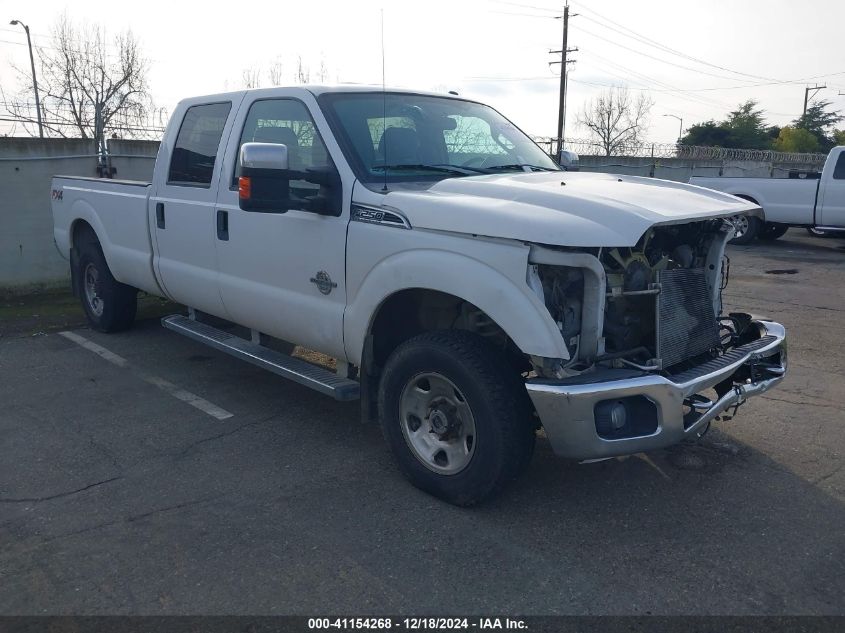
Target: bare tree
x,y
90,84
303,72
323,72
616,119
251,77
276,72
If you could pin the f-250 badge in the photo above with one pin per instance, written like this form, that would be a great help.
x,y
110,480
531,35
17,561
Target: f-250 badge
x,y
323,282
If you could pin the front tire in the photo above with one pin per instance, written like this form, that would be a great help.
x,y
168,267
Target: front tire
x,y
109,305
748,228
457,419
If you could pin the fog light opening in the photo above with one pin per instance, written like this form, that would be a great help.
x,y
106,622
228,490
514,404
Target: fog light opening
x,y
621,418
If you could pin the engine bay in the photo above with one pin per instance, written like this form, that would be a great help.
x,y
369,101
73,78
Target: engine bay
x,y
662,303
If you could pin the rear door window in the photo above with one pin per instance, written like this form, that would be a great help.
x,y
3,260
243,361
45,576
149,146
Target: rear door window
x,y
192,162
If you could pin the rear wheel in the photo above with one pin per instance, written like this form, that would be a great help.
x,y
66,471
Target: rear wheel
x,y
109,305
747,228
772,231
456,418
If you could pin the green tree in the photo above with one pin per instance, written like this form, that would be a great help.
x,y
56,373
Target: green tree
x,y
819,121
795,139
709,134
748,127
744,128
839,137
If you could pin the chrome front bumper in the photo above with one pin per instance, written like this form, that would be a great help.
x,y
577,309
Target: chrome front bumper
x,y
567,408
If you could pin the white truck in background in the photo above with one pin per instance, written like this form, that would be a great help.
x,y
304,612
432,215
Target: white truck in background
x,y
817,204
469,290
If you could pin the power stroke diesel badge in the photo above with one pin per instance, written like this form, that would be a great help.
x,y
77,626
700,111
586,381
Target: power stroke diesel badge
x,y
323,282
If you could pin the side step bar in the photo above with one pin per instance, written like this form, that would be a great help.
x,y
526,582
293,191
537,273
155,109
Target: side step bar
x,y
295,369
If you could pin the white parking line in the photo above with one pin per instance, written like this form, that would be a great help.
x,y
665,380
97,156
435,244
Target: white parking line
x,y
177,392
186,396
97,349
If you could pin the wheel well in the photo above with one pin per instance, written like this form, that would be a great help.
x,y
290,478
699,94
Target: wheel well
x,y
410,312
750,199
81,230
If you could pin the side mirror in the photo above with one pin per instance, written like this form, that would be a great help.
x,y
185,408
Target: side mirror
x,y
264,177
568,160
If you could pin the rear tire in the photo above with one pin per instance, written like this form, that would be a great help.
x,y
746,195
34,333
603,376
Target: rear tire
x,y
456,418
748,228
772,231
109,305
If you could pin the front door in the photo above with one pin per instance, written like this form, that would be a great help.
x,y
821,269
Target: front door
x,y
282,273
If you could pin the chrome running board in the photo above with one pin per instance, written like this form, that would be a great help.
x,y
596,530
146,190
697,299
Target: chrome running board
x,y
295,369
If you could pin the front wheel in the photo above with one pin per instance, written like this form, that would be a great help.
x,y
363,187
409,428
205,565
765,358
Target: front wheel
x,y
747,228
456,417
109,305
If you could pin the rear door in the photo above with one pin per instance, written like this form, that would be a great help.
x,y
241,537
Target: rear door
x,y
182,208
831,202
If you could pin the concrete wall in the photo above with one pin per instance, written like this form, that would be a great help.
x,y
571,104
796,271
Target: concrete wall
x,y
133,160
682,169
28,257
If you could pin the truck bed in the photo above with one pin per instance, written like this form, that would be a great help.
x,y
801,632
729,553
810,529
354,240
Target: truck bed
x,y
118,212
786,200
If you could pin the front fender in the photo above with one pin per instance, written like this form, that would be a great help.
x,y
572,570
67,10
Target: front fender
x,y
513,306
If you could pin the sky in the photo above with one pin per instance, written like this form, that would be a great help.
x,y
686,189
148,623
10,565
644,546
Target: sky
x,y
697,60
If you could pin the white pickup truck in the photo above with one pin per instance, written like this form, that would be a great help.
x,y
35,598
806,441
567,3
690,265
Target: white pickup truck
x,y
470,291
815,203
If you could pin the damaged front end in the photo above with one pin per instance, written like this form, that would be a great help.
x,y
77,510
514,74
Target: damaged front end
x,y
652,357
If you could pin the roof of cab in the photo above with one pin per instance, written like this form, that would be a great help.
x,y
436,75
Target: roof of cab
x,y
315,90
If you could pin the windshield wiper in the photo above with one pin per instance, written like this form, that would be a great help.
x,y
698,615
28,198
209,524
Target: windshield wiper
x,y
520,166
449,169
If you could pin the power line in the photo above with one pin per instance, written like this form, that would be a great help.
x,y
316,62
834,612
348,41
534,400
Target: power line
x,y
767,82
658,59
647,40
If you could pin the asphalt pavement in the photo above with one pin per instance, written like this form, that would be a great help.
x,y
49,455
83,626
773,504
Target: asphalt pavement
x,y
121,493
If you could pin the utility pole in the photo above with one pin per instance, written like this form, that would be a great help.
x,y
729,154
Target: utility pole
x,y
807,97
561,115
34,81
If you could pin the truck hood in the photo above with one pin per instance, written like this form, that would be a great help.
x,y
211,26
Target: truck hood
x,y
561,208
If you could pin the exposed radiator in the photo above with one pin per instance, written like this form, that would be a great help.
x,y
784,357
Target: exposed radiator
x,y
686,324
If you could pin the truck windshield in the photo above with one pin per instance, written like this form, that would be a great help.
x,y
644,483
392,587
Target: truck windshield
x,y
403,136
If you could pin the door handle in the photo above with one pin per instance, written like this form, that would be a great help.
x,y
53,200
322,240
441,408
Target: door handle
x,y
222,225
160,215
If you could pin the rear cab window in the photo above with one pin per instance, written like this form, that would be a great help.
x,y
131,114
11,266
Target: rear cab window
x,y
839,169
197,144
